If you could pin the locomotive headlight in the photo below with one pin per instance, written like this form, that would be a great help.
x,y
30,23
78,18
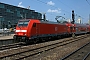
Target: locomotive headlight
x,y
17,31
21,31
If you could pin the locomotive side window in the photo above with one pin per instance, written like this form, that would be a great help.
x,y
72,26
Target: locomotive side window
x,y
34,24
23,23
77,29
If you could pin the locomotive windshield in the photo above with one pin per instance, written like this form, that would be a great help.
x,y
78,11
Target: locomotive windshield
x,y
23,23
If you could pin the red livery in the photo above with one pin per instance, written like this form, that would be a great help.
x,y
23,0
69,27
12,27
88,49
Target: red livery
x,y
30,29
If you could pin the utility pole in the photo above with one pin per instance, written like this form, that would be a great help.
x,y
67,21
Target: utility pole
x,y
89,19
79,20
28,7
44,16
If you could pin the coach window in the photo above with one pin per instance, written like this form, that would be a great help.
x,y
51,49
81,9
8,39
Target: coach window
x,y
34,24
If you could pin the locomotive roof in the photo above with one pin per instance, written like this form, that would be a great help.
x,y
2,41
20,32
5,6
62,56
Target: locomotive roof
x,y
51,22
77,24
45,21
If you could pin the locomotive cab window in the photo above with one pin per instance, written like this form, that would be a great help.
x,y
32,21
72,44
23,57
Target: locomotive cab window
x,y
34,24
23,23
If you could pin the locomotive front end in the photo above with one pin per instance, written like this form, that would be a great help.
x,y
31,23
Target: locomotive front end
x,y
21,30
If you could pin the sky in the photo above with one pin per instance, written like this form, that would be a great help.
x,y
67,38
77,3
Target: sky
x,y
54,8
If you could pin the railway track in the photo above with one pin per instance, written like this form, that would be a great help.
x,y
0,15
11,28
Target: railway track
x,y
23,53
11,46
80,54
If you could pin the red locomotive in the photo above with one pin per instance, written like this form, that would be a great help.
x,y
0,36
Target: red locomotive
x,y
30,29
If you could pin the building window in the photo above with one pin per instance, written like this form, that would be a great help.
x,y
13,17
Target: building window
x,y
33,17
18,14
1,6
7,10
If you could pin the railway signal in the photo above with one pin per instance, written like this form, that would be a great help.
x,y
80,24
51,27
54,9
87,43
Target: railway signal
x,y
73,17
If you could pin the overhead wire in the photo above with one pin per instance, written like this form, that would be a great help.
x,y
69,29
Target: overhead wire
x,y
56,8
52,5
71,9
88,2
62,9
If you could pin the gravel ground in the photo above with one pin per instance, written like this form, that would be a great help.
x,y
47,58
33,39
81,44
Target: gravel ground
x,y
58,53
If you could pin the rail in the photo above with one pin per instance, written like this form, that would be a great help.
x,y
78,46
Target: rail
x,y
74,52
9,46
86,56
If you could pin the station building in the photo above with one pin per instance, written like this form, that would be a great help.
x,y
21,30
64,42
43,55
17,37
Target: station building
x,y
9,15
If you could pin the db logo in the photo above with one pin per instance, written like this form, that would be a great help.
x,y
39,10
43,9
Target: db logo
x,y
55,28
